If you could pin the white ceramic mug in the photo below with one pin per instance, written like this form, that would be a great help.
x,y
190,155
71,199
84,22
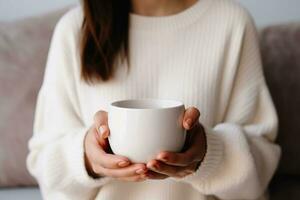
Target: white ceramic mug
x,y
140,129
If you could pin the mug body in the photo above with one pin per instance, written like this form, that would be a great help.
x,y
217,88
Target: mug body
x,y
140,129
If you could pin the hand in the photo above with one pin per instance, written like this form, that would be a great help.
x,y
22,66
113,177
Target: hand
x,y
178,165
99,159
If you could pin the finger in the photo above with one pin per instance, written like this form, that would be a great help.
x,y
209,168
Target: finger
x,y
104,144
162,168
191,117
112,161
172,171
106,160
176,159
193,153
131,170
156,176
104,131
101,122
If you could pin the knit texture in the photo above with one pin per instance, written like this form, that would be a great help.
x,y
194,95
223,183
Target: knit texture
x,y
207,56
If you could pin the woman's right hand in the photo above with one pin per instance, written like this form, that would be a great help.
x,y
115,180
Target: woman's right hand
x,y
98,159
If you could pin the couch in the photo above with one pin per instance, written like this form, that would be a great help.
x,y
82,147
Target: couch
x,y
23,52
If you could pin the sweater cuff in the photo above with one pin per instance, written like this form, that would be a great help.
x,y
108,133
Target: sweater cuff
x,y
211,161
77,163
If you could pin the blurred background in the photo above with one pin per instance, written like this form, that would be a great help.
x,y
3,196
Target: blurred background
x,y
265,12
26,28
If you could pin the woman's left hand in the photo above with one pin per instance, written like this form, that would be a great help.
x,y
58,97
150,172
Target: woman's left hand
x,y
178,165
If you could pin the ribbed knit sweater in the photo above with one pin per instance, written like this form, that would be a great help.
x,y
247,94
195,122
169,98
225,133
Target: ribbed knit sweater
x,y
206,56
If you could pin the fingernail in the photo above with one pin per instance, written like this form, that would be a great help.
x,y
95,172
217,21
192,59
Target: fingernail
x,y
102,130
123,163
140,171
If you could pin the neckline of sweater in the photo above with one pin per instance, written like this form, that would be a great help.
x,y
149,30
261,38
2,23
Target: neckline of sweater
x,y
170,22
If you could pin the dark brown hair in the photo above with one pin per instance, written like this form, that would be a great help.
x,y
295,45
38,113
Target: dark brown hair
x,y
104,37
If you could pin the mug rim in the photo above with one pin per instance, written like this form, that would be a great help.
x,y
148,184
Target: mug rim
x,y
169,104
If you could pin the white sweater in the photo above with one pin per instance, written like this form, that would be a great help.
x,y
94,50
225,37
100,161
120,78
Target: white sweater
x,y
206,56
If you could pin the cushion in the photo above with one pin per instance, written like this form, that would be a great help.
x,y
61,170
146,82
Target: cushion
x,y
23,50
27,193
280,47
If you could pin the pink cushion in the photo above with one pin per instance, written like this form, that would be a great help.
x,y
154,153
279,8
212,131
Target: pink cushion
x,y
23,50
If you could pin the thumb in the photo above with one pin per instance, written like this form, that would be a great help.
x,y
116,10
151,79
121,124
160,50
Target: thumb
x,y
191,118
101,122
104,144
103,131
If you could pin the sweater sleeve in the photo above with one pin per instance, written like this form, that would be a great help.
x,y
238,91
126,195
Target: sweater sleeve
x,y
241,154
56,157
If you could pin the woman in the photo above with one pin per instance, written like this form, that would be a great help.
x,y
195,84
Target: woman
x,y
204,53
